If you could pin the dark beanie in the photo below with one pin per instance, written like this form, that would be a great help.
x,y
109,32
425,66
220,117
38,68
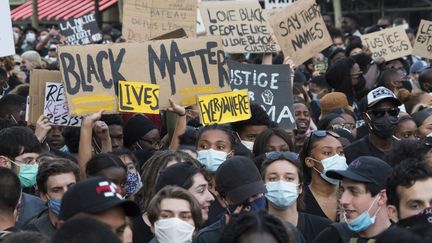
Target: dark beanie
x,y
136,128
324,122
421,116
176,175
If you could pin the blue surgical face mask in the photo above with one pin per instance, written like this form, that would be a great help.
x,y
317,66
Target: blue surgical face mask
x,y
363,221
281,194
335,162
211,158
27,174
54,206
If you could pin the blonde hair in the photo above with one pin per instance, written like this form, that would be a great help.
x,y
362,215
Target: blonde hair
x,y
32,56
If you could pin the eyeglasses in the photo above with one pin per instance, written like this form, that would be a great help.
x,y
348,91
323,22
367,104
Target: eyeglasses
x,y
319,134
274,155
381,112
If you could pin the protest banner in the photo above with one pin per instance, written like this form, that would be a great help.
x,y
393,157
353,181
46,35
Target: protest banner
x,y
269,86
300,30
241,26
144,20
56,108
138,97
224,107
182,67
81,31
271,4
175,34
7,46
390,43
423,43
38,80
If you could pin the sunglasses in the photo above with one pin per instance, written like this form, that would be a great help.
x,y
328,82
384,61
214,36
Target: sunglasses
x,y
348,126
381,112
319,134
274,155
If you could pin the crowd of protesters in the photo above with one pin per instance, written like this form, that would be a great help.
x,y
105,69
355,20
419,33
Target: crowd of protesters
x,y
357,168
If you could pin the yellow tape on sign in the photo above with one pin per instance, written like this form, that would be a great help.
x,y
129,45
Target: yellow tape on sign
x,y
138,97
224,107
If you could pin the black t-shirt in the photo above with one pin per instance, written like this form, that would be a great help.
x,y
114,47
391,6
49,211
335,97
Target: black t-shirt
x,y
362,147
216,211
141,232
333,234
310,225
311,204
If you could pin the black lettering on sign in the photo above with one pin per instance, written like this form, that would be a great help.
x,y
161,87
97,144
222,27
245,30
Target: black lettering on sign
x,y
166,63
139,96
79,78
216,108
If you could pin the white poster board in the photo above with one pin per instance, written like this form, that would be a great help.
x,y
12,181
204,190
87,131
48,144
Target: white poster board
x,y
7,46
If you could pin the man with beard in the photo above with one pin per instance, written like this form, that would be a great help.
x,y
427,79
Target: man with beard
x,y
381,118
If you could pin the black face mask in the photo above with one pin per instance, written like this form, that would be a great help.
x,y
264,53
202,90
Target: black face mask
x,y
384,127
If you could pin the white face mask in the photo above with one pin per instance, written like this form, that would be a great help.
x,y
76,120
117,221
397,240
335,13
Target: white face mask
x,y
173,230
211,158
335,162
30,37
248,144
429,135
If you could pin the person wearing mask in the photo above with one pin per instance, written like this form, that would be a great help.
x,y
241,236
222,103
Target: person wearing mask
x,y
248,130
273,139
30,60
241,188
423,120
174,215
283,177
363,199
381,118
55,176
19,149
140,133
10,183
98,198
322,152
409,189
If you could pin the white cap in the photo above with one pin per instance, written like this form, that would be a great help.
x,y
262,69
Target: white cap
x,y
379,94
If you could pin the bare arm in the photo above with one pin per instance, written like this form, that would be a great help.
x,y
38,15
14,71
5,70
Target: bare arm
x,y
180,127
85,143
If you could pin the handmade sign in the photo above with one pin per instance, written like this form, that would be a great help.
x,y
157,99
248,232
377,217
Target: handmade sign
x,y
55,106
7,46
81,31
224,107
241,26
182,68
138,97
300,30
144,20
269,86
423,43
390,43
270,4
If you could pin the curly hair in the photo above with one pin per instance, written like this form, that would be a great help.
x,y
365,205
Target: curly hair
x,y
406,174
254,222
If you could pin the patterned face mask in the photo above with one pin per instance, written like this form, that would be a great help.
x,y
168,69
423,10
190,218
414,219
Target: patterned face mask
x,y
133,183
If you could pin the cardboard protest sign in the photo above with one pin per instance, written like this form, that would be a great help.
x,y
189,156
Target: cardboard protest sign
x,y
55,106
390,43
224,107
270,4
138,97
241,26
300,30
423,43
38,80
144,20
81,31
175,34
269,86
7,46
182,68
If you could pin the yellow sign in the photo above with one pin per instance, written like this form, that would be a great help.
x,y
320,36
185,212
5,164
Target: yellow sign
x,y
138,97
224,107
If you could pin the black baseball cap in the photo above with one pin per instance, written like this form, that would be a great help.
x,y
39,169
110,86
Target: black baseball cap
x,y
239,179
367,169
176,175
95,195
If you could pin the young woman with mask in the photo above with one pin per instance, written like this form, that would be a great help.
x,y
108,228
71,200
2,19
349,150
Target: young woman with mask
x,y
322,152
174,214
133,181
283,176
273,139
